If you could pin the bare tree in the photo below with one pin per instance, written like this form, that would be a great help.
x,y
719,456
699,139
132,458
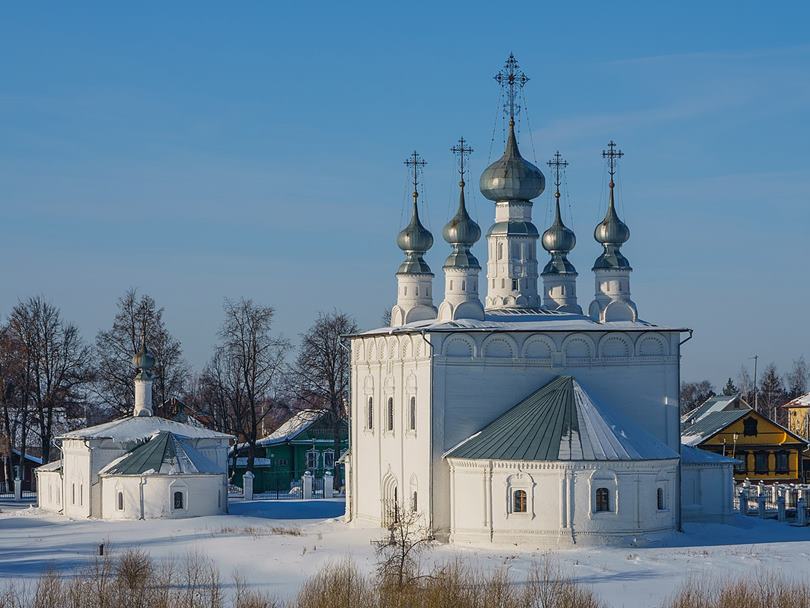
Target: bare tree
x,y
54,369
14,417
116,346
322,374
746,386
797,378
695,393
246,372
771,392
398,552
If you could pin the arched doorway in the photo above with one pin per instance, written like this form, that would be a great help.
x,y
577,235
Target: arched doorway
x,y
390,501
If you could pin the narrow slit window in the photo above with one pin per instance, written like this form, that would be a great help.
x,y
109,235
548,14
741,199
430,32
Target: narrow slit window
x,y
390,413
412,414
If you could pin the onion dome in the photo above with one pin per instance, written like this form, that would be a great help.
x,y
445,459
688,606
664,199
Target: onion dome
x,y
558,240
414,240
612,233
462,233
512,177
144,360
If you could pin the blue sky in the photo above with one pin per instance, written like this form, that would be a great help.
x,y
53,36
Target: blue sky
x,y
199,151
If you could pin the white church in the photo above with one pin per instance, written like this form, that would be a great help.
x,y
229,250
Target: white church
x,y
522,419
138,467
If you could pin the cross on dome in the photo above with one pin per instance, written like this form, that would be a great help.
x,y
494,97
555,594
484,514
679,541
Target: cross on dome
x,y
415,163
612,155
462,151
557,163
511,78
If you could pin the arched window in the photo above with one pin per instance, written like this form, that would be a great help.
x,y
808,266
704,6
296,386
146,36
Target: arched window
x,y
660,499
463,286
179,500
519,501
451,284
390,413
405,290
417,291
414,503
120,503
412,414
602,499
500,251
370,414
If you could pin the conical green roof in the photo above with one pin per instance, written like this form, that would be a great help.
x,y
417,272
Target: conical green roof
x,y
164,453
560,422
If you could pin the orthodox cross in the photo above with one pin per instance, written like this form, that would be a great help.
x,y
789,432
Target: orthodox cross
x,y
612,155
461,150
557,163
509,78
415,163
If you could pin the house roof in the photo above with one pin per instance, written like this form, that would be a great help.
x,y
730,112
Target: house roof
x,y
30,457
293,427
718,403
134,428
560,422
710,424
690,455
164,453
800,401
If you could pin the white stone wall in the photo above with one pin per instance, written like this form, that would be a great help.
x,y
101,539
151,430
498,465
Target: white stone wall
x,y
476,377
707,492
152,496
561,504
396,368
84,459
49,490
479,376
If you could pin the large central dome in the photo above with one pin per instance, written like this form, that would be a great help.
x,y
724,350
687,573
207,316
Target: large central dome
x,y
512,177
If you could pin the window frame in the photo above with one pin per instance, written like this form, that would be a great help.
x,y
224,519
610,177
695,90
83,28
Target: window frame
x,y
183,502
759,457
520,501
389,415
370,413
119,500
412,414
330,453
314,453
601,502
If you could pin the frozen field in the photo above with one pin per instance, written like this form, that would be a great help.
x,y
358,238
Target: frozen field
x,y
244,541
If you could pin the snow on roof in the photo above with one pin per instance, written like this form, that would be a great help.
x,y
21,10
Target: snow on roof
x,y
718,403
292,427
525,319
134,428
800,401
693,433
690,455
560,422
165,454
56,465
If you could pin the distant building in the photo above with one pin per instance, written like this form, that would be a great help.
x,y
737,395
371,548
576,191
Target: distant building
x,y
765,450
139,467
303,443
21,468
798,416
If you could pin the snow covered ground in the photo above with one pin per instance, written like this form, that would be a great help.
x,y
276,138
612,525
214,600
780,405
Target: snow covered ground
x,y
245,541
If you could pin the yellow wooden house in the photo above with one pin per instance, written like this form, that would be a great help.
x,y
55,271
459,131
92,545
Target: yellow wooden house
x,y
798,416
765,450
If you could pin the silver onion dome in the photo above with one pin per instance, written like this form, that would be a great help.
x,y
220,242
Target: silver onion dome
x,y
512,177
558,237
461,229
414,240
144,360
612,233
462,232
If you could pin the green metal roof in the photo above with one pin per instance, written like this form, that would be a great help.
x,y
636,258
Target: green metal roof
x,y
163,453
560,422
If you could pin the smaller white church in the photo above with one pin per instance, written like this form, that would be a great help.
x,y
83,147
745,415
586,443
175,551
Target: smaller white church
x,y
139,467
